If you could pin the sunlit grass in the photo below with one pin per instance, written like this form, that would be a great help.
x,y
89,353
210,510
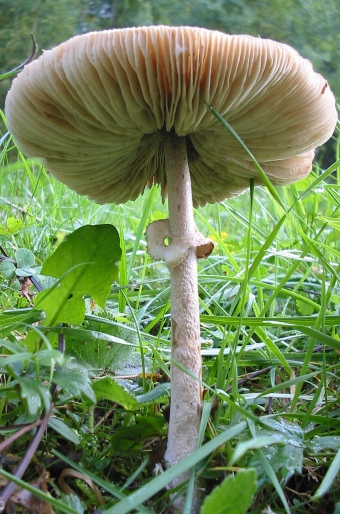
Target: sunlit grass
x,y
269,300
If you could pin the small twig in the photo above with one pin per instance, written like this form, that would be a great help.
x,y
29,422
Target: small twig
x,y
26,428
320,348
61,341
270,405
104,418
250,376
36,283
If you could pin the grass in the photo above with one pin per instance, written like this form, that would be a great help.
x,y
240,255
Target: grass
x,y
270,301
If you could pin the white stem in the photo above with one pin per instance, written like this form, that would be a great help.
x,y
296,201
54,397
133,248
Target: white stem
x,y
186,244
186,392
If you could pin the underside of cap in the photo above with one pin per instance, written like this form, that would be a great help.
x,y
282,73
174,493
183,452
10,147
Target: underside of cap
x,y
97,109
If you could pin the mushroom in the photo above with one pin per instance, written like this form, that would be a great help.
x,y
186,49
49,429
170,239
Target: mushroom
x,y
113,112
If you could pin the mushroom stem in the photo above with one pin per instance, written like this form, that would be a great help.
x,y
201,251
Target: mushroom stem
x,y
186,391
185,246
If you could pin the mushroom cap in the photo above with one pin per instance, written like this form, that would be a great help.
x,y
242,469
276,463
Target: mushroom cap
x,y
97,109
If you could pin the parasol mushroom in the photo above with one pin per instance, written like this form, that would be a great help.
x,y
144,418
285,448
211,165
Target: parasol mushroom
x,y
110,113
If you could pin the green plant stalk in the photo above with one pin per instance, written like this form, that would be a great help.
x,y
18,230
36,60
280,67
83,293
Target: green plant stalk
x,y
123,277
142,350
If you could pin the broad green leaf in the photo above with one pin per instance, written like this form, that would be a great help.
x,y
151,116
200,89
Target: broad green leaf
x,y
97,351
61,306
49,357
72,500
13,319
285,432
233,496
91,252
337,508
161,391
319,444
24,258
108,389
127,440
16,357
74,383
256,442
35,394
25,272
62,428
14,225
85,263
303,307
11,346
285,460
7,269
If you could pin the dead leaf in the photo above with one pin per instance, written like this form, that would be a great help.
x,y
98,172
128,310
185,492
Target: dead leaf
x,y
72,473
31,502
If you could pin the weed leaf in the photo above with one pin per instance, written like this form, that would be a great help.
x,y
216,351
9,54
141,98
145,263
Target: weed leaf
x,y
59,426
108,389
85,264
233,496
74,383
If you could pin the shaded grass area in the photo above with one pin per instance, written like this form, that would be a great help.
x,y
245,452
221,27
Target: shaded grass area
x,y
270,300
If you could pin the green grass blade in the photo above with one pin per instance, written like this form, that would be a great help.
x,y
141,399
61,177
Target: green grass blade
x,y
331,475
